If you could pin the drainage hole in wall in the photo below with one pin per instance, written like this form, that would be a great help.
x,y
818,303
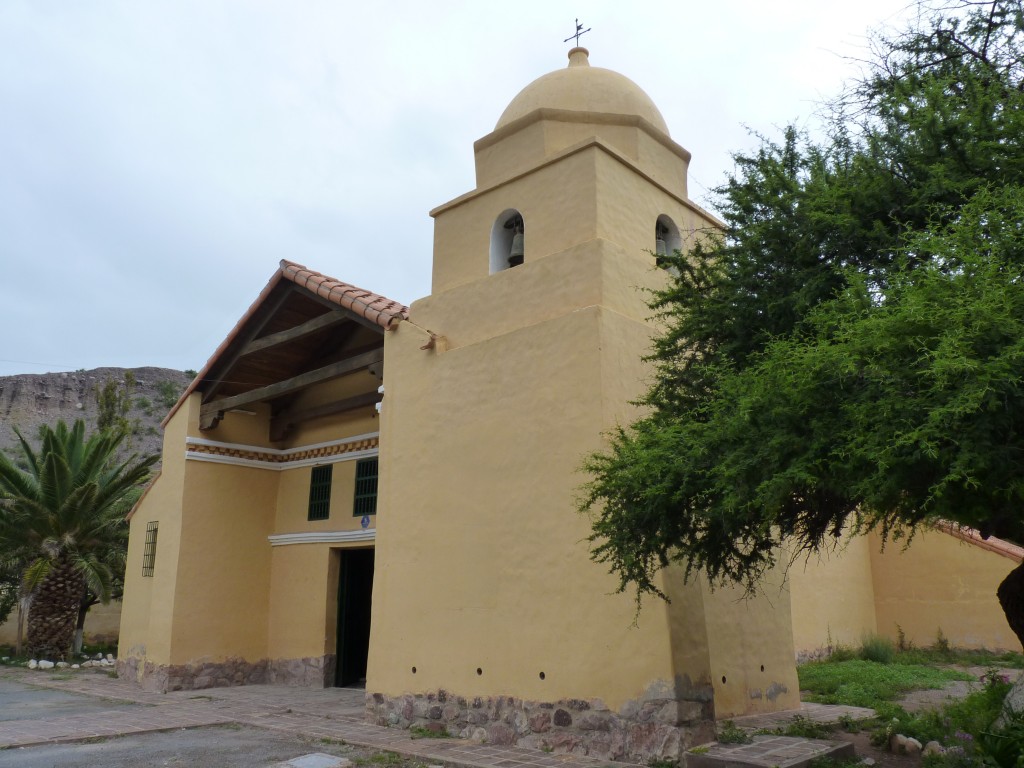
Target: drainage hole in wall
x,y
723,679
414,670
479,671
541,675
762,667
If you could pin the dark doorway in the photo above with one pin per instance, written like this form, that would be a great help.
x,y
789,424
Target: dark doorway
x,y
355,587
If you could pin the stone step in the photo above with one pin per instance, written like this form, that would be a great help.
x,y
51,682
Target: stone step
x,y
767,752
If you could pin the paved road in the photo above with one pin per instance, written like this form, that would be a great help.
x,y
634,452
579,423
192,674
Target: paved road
x,y
210,747
21,702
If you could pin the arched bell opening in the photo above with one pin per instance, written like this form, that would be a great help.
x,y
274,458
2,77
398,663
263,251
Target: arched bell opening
x,y
666,239
508,238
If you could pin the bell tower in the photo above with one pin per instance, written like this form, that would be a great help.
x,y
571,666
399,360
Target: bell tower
x,y
488,615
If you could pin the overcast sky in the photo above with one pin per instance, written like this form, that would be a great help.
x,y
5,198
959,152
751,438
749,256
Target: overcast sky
x,y
159,157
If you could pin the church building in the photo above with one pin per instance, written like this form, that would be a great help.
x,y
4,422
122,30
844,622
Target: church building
x,y
358,492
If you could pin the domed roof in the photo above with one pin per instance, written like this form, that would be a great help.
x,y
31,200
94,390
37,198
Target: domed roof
x,y
583,88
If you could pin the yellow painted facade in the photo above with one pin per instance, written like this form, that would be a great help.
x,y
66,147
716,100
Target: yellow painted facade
x,y
538,362
102,625
476,565
222,588
941,582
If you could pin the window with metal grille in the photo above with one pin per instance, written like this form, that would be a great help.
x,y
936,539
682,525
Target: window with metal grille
x,y
366,488
149,552
320,492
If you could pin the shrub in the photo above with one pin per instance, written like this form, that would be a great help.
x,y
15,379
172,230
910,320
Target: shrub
x,y
730,733
879,649
1005,748
169,393
842,653
941,645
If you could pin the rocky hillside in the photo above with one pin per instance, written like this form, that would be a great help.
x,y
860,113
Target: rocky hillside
x,y
29,400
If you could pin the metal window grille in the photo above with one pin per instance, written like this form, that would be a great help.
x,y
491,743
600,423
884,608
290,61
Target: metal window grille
x,y
149,552
320,492
366,488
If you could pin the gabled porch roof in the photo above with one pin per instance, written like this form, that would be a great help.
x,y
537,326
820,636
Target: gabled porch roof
x,y
303,329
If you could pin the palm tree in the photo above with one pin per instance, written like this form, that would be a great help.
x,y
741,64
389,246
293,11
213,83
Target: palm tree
x,y
62,511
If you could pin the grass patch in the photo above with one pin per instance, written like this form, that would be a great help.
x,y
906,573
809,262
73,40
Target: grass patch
x,y
879,649
833,762
963,657
730,733
381,758
958,723
849,724
801,727
861,683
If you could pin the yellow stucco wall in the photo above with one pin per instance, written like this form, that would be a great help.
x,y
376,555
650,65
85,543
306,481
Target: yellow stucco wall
x,y
938,582
750,643
148,600
293,496
303,601
509,151
102,624
220,590
488,568
588,192
220,607
941,582
833,596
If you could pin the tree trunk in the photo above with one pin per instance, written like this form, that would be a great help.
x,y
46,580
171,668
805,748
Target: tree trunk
x,y
83,610
51,622
1011,598
23,607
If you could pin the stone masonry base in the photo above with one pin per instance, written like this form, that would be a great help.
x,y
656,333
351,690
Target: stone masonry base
x,y
641,731
310,672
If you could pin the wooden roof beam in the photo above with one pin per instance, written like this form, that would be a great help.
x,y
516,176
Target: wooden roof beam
x,y
212,412
282,424
212,382
297,332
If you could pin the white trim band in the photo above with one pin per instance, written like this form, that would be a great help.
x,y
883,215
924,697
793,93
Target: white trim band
x,y
278,458
279,466
279,451
322,537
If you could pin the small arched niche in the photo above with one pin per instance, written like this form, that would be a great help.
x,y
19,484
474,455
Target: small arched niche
x,y
666,239
508,236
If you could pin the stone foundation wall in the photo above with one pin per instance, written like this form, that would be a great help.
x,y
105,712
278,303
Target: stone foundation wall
x,y
310,672
640,731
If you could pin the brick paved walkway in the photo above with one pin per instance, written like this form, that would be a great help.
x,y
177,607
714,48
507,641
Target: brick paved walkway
x,y
329,713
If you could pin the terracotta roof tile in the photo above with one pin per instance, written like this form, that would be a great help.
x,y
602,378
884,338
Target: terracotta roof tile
x,y
371,306
992,544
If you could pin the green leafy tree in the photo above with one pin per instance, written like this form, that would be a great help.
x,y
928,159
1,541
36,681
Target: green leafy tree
x,y
847,353
114,558
64,516
10,584
114,404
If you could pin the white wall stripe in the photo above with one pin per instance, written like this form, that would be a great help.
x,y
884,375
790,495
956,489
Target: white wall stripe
x,y
278,451
322,537
278,466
